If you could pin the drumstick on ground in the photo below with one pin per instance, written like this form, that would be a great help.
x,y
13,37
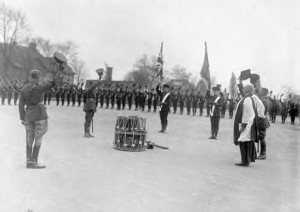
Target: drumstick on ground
x,y
150,145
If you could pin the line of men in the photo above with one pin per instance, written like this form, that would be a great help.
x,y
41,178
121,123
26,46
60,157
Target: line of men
x,y
9,90
140,98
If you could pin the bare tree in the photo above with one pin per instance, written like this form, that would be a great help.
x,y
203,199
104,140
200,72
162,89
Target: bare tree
x,y
13,27
69,49
143,71
79,67
47,48
287,90
180,73
44,46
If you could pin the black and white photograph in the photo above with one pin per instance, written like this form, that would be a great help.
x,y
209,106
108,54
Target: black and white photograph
x,y
149,105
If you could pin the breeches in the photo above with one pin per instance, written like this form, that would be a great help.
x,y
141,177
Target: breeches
x,y
35,130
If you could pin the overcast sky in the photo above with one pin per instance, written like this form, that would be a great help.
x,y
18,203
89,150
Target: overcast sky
x,y
263,35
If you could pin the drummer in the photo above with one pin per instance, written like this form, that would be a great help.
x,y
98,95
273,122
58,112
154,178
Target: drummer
x,y
164,106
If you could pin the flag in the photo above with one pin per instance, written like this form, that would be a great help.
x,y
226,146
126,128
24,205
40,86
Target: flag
x,y
205,73
160,62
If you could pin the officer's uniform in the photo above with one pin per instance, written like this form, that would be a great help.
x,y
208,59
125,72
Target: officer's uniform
x,y
89,108
215,105
34,117
164,107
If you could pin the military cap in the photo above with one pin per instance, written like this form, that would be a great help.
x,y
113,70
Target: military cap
x,y
254,78
35,73
245,74
216,87
166,86
60,58
264,91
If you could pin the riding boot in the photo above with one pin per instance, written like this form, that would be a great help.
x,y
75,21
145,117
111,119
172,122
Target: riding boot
x,y
35,155
86,130
28,156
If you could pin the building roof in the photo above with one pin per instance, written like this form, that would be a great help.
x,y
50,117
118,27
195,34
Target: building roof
x,y
27,57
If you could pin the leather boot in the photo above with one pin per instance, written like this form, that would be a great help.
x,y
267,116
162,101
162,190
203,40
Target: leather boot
x,y
35,155
86,130
28,156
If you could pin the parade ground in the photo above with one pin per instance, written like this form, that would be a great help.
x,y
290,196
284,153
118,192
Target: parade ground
x,y
195,174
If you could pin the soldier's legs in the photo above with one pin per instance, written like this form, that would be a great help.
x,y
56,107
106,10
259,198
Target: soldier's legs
x,y
9,99
217,121
39,128
123,103
161,121
15,100
3,99
212,127
201,110
130,103
29,127
165,116
112,103
49,99
207,110
87,124
118,104
263,148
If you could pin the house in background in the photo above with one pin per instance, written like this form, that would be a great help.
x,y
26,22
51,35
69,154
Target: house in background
x,y
25,58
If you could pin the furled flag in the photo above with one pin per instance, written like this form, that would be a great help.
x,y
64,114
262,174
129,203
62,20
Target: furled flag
x,y
205,73
160,62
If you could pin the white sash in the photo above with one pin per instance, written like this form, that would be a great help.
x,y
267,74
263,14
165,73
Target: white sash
x,y
213,107
163,101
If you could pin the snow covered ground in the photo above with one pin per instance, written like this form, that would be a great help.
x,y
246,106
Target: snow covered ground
x,y
195,174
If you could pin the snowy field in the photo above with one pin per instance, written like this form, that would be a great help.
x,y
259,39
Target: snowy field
x,y
195,174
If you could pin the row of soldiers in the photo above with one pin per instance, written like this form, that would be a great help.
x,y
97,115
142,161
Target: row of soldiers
x,y
140,97
9,90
